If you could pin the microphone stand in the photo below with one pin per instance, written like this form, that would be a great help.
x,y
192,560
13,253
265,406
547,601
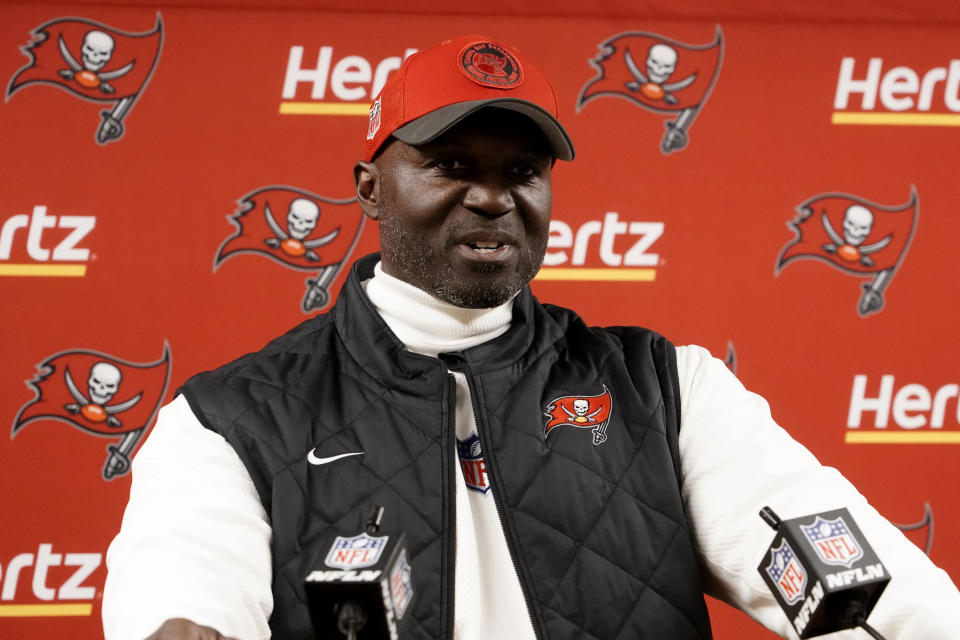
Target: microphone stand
x,y
861,621
351,617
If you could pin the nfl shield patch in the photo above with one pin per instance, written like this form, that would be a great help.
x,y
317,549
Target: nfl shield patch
x,y
833,541
401,585
356,552
787,573
471,462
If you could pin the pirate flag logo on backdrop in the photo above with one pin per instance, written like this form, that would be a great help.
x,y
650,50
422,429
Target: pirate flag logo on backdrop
x,y
658,74
94,62
856,236
100,394
298,229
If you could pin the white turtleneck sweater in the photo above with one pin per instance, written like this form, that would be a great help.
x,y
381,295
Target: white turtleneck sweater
x,y
195,540
489,600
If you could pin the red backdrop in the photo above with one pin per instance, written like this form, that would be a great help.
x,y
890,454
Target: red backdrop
x,y
133,231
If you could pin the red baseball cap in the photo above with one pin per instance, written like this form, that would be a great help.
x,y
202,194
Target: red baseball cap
x,y
436,88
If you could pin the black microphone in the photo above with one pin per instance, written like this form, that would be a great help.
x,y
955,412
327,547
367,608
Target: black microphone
x,y
822,572
364,587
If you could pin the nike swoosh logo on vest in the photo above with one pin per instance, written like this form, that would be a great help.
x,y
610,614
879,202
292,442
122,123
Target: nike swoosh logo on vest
x,y
312,459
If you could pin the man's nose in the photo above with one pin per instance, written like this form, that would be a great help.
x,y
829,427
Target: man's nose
x,y
489,198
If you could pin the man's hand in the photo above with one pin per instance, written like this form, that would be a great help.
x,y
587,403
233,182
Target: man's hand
x,y
183,629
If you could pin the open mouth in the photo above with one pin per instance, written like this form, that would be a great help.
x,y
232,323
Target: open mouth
x,y
481,246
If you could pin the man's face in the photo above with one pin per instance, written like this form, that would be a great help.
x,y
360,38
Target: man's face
x,y
465,217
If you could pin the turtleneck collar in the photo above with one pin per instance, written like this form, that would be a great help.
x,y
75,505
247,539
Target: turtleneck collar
x,y
429,325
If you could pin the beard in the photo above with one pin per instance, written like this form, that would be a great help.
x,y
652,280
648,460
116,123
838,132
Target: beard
x,y
417,263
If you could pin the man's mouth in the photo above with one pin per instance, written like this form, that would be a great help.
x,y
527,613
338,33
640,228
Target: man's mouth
x,y
482,246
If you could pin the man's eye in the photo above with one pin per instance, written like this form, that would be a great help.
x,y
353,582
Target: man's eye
x,y
449,164
525,171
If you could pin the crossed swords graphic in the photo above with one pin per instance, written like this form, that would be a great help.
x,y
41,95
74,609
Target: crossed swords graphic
x,y
676,137
112,126
838,242
871,300
316,296
599,432
119,460
76,67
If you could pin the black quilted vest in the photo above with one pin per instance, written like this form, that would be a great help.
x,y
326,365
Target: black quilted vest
x,y
597,532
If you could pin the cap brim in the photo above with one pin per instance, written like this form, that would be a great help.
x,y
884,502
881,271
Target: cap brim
x,y
430,126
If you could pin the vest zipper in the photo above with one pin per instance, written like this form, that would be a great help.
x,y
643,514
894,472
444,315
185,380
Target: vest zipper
x,y
492,477
449,558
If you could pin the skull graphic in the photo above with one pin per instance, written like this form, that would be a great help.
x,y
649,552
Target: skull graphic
x,y
580,407
661,62
103,383
302,218
97,50
857,224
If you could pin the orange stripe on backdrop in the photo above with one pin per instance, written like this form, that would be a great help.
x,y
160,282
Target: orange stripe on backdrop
x,y
45,610
324,108
897,119
44,270
614,275
902,437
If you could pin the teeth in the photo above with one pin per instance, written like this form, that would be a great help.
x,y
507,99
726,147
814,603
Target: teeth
x,y
484,246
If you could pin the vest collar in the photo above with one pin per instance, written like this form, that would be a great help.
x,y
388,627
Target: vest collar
x,y
370,341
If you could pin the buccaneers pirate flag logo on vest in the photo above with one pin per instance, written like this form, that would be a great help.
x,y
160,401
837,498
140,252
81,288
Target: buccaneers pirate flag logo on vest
x,y
856,236
582,412
95,62
299,230
658,74
100,394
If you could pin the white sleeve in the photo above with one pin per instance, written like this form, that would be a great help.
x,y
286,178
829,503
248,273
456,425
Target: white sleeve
x,y
736,460
195,539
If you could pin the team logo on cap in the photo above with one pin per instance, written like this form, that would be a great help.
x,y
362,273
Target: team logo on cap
x,y
95,62
856,236
833,541
491,65
582,412
298,229
657,73
787,573
374,125
99,394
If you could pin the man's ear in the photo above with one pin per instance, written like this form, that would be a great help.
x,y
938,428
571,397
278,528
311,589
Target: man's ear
x,y
367,180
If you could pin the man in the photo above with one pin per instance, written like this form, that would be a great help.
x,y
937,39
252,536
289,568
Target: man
x,y
623,475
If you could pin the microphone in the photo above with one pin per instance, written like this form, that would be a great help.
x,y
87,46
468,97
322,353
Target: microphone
x,y
822,572
364,587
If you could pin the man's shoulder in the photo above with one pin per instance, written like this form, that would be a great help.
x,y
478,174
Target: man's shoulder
x,y
306,347
628,335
